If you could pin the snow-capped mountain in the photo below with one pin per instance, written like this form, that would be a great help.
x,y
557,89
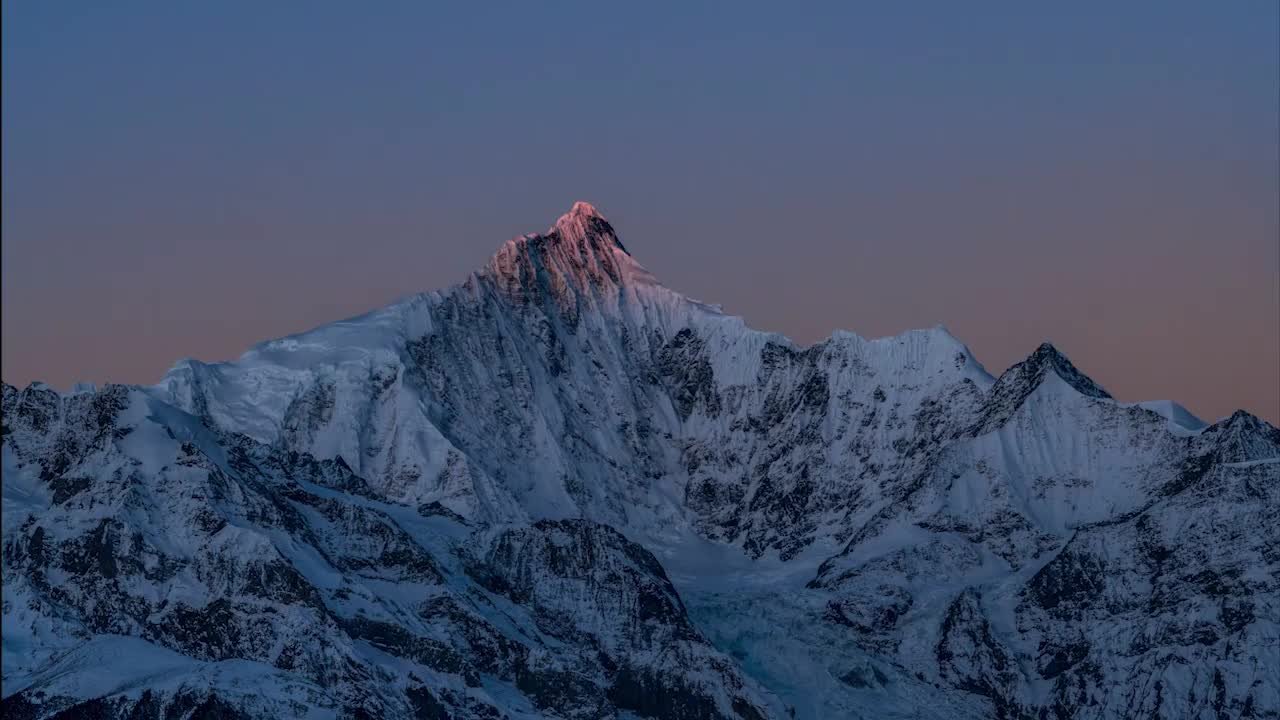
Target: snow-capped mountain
x,y
560,489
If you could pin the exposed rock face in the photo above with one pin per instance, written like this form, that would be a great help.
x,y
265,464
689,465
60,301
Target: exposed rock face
x,y
560,489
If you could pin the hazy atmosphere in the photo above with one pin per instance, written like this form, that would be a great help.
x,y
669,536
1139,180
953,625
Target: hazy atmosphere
x,y
191,179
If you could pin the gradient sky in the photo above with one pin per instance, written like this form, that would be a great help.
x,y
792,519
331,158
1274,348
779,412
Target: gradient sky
x,y
190,178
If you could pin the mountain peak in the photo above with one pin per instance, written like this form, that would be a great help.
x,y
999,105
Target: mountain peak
x,y
582,208
1244,437
1048,357
1017,383
580,251
585,225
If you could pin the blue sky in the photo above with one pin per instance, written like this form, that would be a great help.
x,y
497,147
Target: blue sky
x,y
187,178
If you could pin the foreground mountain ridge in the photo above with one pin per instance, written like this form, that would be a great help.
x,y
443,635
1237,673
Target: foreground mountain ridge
x,y
560,489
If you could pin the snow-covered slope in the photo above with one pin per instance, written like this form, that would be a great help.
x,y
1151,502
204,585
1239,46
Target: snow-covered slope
x,y
561,489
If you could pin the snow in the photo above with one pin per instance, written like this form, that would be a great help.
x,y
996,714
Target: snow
x,y
830,515
1177,415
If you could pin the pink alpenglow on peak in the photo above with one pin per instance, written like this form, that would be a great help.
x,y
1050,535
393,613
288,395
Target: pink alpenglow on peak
x,y
580,252
584,222
581,208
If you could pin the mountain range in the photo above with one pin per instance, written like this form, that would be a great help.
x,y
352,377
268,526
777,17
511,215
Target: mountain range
x,y
560,489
